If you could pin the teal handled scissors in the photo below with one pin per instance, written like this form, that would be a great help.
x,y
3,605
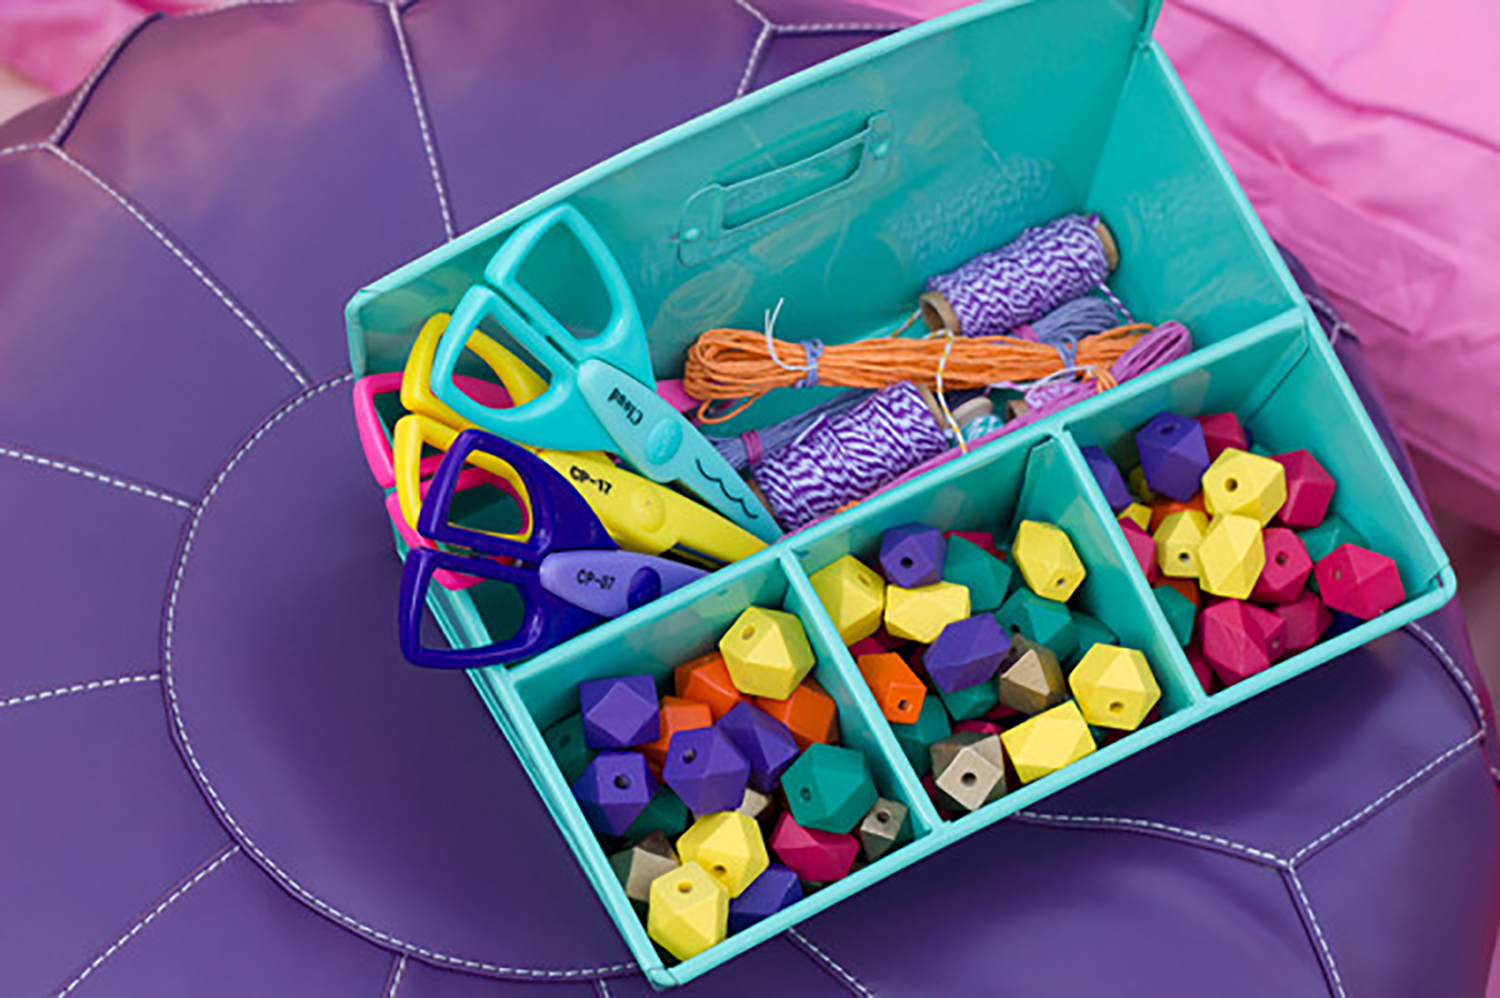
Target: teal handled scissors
x,y
602,392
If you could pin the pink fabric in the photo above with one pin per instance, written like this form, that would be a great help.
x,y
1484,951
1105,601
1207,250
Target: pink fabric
x,y
57,42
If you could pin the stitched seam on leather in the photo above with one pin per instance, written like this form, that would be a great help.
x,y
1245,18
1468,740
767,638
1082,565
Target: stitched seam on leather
x,y
602,988
138,926
1326,952
98,684
396,972
21,147
754,12
830,964
752,64
97,476
86,89
1438,649
832,26
218,804
428,145
1139,824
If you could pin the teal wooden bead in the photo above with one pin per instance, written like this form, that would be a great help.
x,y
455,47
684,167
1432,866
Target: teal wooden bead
x,y
916,739
829,788
1180,612
566,742
970,702
1089,631
987,578
1332,533
666,813
1045,621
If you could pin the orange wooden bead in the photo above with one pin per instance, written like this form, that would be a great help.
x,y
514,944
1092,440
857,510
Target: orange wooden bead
x,y
809,714
1161,510
706,680
677,715
897,689
1188,588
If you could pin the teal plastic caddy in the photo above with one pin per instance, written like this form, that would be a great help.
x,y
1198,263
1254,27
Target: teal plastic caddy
x,y
840,190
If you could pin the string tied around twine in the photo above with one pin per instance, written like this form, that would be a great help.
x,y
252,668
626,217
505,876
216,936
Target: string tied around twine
x,y
812,350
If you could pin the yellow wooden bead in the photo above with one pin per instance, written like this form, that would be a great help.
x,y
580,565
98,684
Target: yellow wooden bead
x,y
921,614
729,846
1047,560
854,596
1246,484
1048,742
767,653
689,911
1138,487
1139,513
1177,542
1231,557
1114,687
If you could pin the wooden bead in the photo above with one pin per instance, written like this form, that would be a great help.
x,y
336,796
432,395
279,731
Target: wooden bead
x,y
983,574
1015,409
1309,490
1359,582
1048,742
1138,514
688,911
970,701
1188,588
1221,431
677,714
767,653
1048,561
569,749
809,714
916,740
969,768
882,828
1144,549
777,888
1180,612
1090,631
705,769
897,690
911,555
1107,474
815,856
1114,687
1162,509
1306,619
1044,621
854,596
619,712
1136,479
1200,667
614,790
1231,556
1240,639
978,538
766,744
1173,454
666,814
757,806
1177,542
729,846
1032,680
967,653
706,680
1245,484
1321,540
981,727
921,614
1287,568
640,865
829,788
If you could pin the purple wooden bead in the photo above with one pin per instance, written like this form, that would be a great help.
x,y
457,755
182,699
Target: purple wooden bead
x,y
766,743
614,790
1174,455
776,888
1107,474
619,712
706,771
967,653
912,555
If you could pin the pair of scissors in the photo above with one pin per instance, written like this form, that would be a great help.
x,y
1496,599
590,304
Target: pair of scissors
x,y
567,571
602,393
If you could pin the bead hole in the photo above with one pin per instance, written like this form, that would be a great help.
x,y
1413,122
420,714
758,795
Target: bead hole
x,y
906,563
1230,484
720,869
1184,556
806,794
968,779
1116,707
1281,557
1060,583
748,633
903,705
622,781
883,816
684,887
690,755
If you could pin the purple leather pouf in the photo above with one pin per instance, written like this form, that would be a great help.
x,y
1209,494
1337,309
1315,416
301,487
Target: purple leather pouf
x,y
217,776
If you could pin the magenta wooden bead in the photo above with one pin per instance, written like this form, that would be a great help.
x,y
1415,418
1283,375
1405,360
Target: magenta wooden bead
x,y
1309,490
1359,582
1240,639
1287,567
967,652
811,854
1306,618
1200,667
980,727
706,770
866,646
911,556
1144,549
619,712
1173,454
1222,430
979,537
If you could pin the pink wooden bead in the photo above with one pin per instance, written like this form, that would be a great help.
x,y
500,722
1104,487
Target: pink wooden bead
x,y
1222,430
1309,490
1200,667
1306,619
811,854
979,537
1002,712
866,646
1240,639
1287,567
1359,582
1144,549
980,727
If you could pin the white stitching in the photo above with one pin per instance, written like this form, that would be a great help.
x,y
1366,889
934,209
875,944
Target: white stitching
x,y
21,147
1338,327
754,12
1312,919
390,992
286,878
831,964
603,988
1437,648
187,261
98,684
1141,823
420,108
86,88
96,476
824,26
138,926
753,63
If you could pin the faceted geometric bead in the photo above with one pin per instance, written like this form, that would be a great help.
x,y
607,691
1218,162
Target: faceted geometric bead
x,y
1107,474
767,653
757,806
983,574
1309,490
566,743
921,614
1144,549
1031,680
978,538
1174,455
1187,588
1238,637
614,790
729,846
1245,484
689,911
854,596
967,653
1333,532
1306,618
1221,431
773,890
809,714
1200,668
706,680
916,740
815,856
638,866
764,742
619,712
1114,687
1136,479
1138,514
981,727
882,828
1048,562
829,788
666,814
1165,508
1045,621
897,690
1180,612
1090,631
1177,542
1231,556
1048,742
947,808
1359,582
1287,568
705,769
677,714
970,769
969,702
911,555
